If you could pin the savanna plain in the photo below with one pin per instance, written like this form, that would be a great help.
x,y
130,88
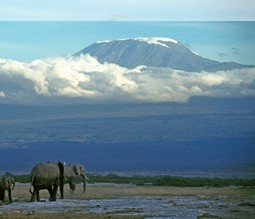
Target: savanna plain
x,y
110,200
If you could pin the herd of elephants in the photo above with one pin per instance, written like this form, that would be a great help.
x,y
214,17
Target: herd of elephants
x,y
47,175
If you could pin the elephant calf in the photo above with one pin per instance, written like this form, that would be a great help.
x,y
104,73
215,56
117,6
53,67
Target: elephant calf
x,y
5,184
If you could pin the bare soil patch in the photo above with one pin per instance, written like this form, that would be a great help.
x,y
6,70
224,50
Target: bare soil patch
x,y
129,201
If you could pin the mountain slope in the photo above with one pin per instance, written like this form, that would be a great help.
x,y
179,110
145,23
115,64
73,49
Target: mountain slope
x,y
154,52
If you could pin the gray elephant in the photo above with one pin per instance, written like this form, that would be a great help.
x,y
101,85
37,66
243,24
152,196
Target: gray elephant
x,y
71,172
50,176
5,184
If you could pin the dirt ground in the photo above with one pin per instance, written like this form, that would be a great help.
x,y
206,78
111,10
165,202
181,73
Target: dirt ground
x,y
129,201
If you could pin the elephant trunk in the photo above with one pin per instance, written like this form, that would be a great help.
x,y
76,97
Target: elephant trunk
x,y
13,186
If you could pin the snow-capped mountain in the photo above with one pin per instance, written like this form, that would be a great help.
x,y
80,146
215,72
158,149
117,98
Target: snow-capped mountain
x,y
154,52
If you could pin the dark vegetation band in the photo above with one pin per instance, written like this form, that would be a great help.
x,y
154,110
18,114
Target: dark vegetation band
x,y
159,180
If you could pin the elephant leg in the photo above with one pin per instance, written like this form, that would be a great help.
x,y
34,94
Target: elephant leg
x,y
37,195
61,188
51,193
33,196
54,193
10,195
2,194
72,186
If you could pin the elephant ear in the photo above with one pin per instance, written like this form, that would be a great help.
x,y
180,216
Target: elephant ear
x,y
77,169
4,183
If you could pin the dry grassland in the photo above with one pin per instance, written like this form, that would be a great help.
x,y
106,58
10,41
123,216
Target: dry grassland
x,y
242,197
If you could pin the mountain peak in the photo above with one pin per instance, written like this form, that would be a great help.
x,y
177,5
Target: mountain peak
x,y
154,52
150,40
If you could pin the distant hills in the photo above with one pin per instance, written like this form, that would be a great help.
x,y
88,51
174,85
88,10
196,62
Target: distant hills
x,y
155,52
203,135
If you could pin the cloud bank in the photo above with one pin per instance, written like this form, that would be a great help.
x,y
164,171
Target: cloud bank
x,y
83,79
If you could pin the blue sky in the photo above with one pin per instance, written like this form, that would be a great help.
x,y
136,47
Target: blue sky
x,y
223,41
127,10
219,41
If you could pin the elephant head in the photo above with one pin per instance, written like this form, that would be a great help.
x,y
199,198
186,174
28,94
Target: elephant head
x,y
74,170
50,176
5,184
11,181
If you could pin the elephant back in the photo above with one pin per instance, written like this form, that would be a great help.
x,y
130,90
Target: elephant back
x,y
45,172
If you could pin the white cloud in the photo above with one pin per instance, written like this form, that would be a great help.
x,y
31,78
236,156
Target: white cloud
x,y
84,79
2,94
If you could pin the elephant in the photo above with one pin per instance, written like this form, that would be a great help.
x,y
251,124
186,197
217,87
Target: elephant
x,y
5,184
50,176
73,170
